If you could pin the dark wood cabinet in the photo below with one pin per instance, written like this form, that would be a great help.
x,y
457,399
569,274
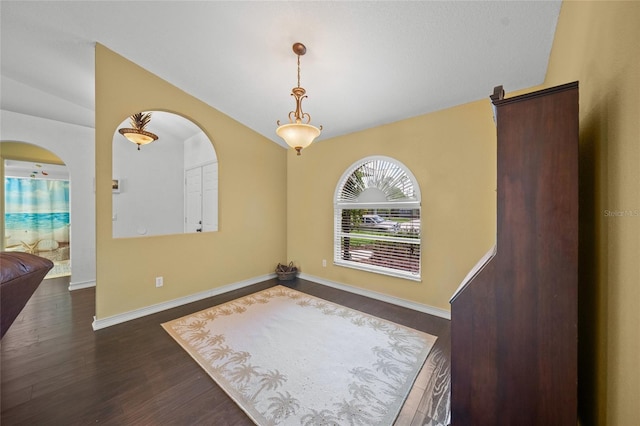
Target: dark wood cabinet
x,y
514,318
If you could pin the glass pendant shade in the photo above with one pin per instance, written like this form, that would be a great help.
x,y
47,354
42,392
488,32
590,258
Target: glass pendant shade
x,y
298,135
139,137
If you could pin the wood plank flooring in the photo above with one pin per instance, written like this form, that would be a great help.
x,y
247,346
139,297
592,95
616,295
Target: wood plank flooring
x,y
55,370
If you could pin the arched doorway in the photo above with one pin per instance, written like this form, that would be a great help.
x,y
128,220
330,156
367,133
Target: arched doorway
x,y
35,205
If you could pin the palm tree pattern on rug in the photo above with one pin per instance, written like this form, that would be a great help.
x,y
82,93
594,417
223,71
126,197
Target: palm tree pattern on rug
x,y
375,384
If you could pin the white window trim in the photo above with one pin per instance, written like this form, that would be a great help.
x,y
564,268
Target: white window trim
x,y
415,203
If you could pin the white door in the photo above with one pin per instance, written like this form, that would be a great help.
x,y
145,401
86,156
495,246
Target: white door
x,y
210,197
193,200
201,202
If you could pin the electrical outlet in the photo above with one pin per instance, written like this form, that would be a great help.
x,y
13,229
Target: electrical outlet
x,y
159,281
324,263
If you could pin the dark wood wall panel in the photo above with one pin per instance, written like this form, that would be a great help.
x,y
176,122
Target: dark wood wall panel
x,y
514,322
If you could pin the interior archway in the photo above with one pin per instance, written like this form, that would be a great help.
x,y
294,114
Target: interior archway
x,y
35,204
166,186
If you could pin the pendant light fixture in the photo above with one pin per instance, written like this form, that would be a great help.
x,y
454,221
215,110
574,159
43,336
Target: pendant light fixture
x,y
137,133
298,134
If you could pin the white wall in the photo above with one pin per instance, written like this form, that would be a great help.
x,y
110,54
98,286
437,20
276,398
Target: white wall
x,y
75,145
151,197
198,150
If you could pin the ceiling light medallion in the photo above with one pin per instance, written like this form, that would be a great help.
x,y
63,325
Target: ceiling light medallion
x,y
137,134
296,134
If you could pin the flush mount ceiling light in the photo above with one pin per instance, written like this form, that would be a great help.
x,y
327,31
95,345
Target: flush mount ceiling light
x,y
296,134
136,133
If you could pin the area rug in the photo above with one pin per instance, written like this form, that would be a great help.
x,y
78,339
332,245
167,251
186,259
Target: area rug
x,y
288,358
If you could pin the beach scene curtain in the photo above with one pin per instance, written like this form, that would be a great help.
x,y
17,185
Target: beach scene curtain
x,y
37,218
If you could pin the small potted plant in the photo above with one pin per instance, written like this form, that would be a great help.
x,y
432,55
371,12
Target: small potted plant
x,y
286,272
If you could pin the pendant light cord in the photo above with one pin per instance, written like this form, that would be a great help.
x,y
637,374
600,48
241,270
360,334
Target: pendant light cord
x,y
298,70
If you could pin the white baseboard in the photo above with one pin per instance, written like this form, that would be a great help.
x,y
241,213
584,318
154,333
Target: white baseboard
x,y
139,313
81,285
431,310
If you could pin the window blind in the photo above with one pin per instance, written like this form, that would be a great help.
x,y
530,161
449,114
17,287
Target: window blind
x,y
377,219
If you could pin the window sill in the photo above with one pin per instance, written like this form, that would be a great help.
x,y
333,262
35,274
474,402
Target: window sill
x,y
378,270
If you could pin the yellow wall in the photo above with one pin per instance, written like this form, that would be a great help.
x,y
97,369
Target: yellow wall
x,y
598,43
252,200
452,155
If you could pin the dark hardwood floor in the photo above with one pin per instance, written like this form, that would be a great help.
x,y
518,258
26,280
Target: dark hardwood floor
x,y
57,371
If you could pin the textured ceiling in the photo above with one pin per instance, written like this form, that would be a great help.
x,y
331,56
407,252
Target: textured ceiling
x,y
367,63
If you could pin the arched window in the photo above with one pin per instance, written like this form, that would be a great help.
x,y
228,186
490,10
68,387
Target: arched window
x,y
377,218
